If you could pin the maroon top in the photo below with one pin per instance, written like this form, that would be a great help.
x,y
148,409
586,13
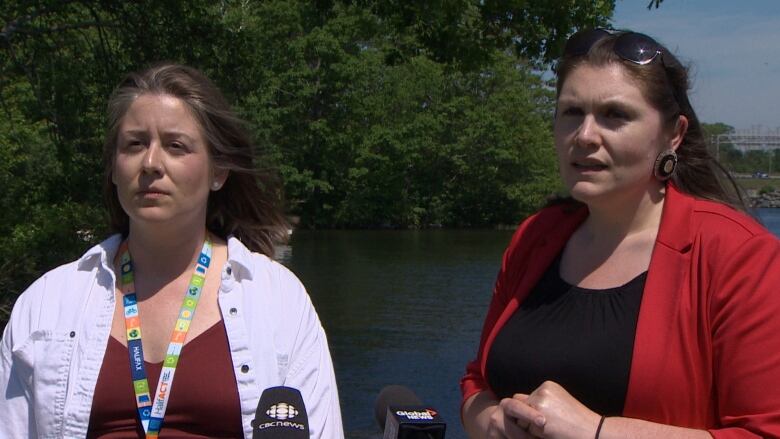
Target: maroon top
x,y
204,401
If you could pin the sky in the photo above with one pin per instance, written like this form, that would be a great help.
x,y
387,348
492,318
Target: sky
x,y
733,47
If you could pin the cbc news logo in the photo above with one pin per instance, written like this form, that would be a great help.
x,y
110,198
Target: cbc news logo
x,y
282,411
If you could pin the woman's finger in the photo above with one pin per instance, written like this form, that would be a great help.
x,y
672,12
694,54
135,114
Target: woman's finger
x,y
496,429
516,428
524,413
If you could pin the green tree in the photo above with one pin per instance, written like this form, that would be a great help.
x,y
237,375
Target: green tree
x,y
466,32
397,113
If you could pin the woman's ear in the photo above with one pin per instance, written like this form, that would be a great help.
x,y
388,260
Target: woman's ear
x,y
680,128
219,178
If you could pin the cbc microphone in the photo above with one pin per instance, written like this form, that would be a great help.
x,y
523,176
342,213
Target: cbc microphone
x,y
280,414
403,416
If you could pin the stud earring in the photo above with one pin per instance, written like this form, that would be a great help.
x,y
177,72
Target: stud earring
x,y
215,186
665,165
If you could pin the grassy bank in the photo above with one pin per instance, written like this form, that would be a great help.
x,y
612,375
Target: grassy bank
x,y
759,184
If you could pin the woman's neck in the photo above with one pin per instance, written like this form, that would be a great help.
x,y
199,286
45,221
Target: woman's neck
x,y
163,255
618,219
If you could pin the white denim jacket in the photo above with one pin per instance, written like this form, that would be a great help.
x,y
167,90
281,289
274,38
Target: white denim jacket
x,y
54,343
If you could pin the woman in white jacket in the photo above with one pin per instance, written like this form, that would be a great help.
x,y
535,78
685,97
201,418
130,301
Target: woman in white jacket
x,y
184,290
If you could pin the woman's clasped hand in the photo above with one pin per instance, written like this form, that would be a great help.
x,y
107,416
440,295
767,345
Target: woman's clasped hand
x,y
549,411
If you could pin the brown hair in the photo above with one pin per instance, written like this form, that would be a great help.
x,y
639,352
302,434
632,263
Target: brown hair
x,y
248,205
664,83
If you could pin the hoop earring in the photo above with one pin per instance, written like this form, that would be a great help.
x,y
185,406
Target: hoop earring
x,y
665,165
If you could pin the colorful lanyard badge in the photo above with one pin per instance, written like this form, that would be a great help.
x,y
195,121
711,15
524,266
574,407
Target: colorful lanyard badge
x,y
152,411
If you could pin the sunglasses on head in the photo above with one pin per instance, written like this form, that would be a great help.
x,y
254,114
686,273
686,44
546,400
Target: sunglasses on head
x,y
630,46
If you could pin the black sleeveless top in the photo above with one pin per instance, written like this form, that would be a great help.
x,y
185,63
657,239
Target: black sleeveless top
x,y
581,338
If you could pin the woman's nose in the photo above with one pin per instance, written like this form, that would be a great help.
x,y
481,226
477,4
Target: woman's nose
x,y
588,132
152,162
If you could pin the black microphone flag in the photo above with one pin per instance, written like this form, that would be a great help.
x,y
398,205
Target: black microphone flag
x,y
280,414
403,416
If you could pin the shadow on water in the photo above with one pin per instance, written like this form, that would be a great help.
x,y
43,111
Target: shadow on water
x,y
399,307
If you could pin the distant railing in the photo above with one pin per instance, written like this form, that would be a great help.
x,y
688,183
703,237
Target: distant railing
x,y
748,140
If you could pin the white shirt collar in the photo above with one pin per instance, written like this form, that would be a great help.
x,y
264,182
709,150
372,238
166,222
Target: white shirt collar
x,y
102,253
239,256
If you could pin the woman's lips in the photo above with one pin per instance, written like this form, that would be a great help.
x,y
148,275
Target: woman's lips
x,y
589,167
151,194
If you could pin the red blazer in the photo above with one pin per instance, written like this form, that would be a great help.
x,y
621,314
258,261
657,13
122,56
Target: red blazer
x,y
707,347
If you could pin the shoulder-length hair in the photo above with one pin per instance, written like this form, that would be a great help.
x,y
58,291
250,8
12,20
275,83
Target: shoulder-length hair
x,y
248,205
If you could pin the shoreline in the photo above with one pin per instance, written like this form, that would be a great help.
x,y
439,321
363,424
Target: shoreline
x,y
764,200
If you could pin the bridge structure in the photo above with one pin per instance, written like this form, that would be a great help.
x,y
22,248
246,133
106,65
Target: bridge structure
x,y
748,140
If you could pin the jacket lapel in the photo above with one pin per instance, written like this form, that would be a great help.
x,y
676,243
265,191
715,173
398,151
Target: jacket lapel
x,y
656,325
550,244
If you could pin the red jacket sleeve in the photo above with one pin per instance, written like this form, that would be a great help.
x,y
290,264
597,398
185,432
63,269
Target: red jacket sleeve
x,y
534,245
745,322
473,382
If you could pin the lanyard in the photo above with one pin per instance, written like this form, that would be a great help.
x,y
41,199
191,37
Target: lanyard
x,y
151,411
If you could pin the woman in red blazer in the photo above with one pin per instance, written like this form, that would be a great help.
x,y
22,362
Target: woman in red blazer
x,y
648,306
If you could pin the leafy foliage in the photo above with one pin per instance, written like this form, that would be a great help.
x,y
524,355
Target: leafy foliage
x,y
377,113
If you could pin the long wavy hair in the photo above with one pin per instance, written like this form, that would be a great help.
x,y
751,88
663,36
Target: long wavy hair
x,y
249,204
665,83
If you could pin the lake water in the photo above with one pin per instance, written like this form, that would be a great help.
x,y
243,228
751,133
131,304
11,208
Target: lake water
x,y
771,219
404,307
